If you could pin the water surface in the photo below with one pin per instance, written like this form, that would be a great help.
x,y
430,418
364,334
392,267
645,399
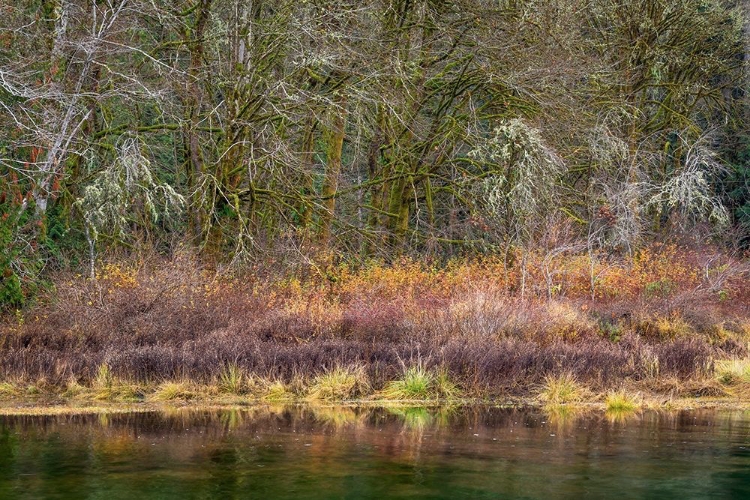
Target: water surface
x,y
471,452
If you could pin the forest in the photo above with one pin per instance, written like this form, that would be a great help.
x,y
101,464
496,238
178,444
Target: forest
x,y
548,186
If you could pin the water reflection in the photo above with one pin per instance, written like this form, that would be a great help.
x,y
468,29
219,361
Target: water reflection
x,y
349,452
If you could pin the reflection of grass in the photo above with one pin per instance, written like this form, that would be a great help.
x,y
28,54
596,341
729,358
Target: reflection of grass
x,y
620,416
420,417
337,416
561,389
338,384
563,416
231,419
414,417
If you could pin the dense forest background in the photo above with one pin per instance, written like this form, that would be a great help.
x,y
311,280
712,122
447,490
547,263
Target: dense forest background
x,y
285,131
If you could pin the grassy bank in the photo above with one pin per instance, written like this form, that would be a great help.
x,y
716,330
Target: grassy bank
x,y
668,322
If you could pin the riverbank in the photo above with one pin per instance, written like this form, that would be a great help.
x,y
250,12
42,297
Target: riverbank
x,y
668,323
554,397
28,408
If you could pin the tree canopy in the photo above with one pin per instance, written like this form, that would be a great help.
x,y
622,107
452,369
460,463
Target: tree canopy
x,y
365,129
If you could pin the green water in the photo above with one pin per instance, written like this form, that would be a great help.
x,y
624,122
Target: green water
x,y
473,452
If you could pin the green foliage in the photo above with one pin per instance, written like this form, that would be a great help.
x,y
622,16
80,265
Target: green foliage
x,y
21,259
737,184
659,289
611,330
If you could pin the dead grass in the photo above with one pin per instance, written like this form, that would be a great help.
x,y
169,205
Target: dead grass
x,y
561,389
339,384
174,391
8,390
733,371
232,379
275,391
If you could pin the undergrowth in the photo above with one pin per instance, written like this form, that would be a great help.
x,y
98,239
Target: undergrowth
x,y
665,314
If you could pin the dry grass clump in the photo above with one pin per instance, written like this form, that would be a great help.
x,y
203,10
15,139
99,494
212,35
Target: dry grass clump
x,y
561,389
565,321
8,390
733,371
232,379
339,384
274,390
665,327
621,401
444,386
418,383
106,387
73,389
174,391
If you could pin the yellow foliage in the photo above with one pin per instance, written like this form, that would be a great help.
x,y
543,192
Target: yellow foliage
x,y
118,276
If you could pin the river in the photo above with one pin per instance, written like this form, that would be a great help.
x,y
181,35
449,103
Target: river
x,y
339,452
